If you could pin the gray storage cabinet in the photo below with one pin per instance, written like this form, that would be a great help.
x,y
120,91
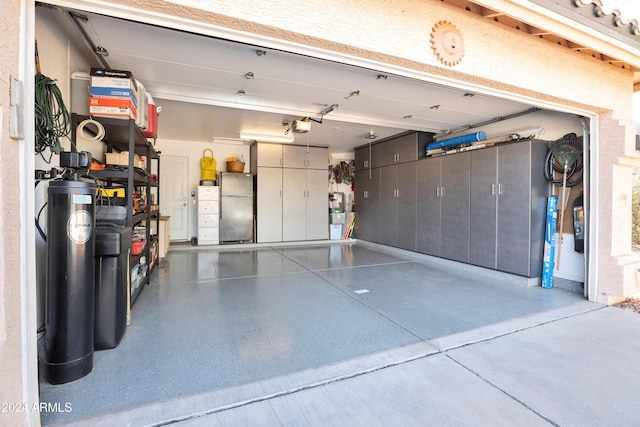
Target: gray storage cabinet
x,y
401,149
367,157
484,207
398,206
367,204
443,207
385,189
508,198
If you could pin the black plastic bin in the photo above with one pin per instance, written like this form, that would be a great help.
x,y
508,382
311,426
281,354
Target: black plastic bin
x,y
113,244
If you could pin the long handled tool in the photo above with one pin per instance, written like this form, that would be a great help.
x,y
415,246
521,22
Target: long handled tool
x,y
566,151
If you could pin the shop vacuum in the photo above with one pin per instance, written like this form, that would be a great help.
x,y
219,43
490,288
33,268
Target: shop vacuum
x,y
69,317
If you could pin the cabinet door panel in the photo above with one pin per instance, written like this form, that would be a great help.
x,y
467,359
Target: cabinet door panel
x,y
387,153
407,206
269,155
388,205
294,156
269,205
362,160
428,206
483,207
407,148
367,188
455,207
360,187
514,208
294,204
318,158
317,205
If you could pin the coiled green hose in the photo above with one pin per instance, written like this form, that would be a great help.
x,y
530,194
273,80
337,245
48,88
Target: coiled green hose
x,y
52,120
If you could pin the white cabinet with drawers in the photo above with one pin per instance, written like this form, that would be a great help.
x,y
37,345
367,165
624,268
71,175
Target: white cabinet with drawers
x,y
208,215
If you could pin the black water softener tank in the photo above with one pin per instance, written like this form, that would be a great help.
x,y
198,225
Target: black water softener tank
x,y
69,306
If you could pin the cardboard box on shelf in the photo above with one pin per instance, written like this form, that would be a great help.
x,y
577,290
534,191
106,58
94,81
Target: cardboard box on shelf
x,y
112,107
102,77
122,159
113,92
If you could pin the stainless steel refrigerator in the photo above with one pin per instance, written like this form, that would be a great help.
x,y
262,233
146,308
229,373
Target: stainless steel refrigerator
x,y
236,207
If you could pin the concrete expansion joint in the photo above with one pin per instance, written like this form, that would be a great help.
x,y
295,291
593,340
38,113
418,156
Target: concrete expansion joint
x,y
294,390
400,362
514,331
504,392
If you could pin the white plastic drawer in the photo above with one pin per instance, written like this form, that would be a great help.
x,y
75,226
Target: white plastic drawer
x,y
208,220
208,207
208,193
208,234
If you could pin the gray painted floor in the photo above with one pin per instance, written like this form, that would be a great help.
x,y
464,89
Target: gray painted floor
x,y
355,335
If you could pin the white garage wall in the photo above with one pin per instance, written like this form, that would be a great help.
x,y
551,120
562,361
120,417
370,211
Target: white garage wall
x,y
193,150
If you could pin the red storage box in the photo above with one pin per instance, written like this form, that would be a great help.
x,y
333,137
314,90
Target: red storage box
x,y
154,111
137,246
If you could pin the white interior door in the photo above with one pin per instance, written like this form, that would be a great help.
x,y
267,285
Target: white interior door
x,y
174,195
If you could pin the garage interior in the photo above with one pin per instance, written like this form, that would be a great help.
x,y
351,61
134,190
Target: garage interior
x,y
216,318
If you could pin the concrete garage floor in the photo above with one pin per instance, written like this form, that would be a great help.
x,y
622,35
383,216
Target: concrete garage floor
x,y
355,334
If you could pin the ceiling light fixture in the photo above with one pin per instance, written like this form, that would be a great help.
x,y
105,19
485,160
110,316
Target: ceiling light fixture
x,y
370,135
260,52
408,116
301,126
266,138
329,109
241,92
381,77
324,112
249,75
354,93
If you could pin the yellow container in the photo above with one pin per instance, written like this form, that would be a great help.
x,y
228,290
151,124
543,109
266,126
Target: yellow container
x,y
110,192
208,166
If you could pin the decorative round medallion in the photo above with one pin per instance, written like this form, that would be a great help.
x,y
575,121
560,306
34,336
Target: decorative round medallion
x,y
447,43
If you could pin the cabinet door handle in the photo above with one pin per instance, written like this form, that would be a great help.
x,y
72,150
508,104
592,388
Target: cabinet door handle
x,y
398,193
493,189
441,191
437,191
365,164
499,189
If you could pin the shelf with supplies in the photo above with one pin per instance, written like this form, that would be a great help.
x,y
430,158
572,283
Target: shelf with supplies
x,y
119,134
120,175
132,172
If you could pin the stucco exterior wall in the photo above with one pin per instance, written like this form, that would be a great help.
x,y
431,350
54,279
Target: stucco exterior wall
x,y
11,390
399,33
